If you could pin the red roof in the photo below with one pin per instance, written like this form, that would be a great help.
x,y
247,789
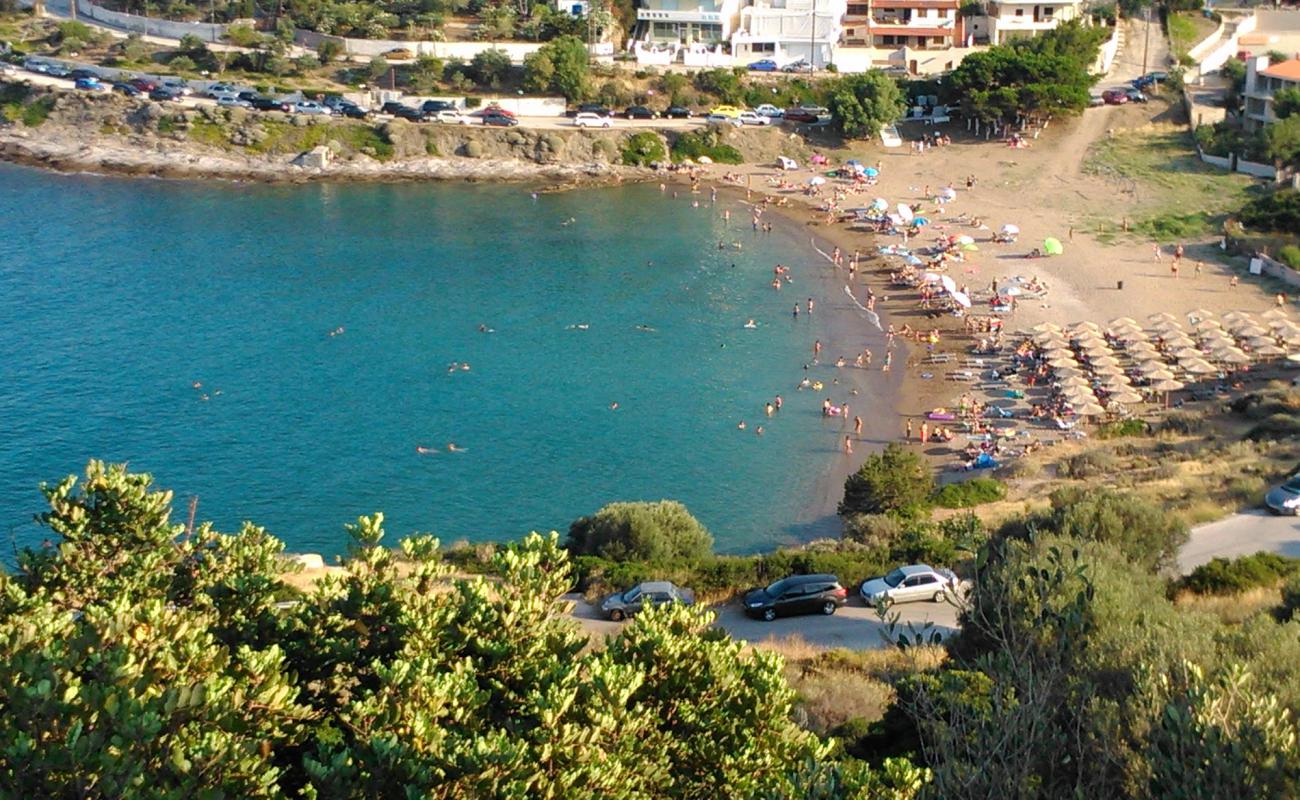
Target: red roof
x,y
1287,70
882,29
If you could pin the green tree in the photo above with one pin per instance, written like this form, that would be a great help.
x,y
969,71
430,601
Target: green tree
x,y
490,67
894,481
1282,141
723,84
654,532
539,71
329,51
862,103
1286,102
559,66
1143,531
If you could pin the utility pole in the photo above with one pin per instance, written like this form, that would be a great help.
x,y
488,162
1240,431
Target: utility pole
x,y
1146,47
812,40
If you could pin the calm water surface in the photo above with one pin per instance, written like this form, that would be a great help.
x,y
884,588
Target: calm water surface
x,y
116,296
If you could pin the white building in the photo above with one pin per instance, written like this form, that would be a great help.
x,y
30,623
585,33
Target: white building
x,y
1262,82
788,30
669,22
1022,19
574,8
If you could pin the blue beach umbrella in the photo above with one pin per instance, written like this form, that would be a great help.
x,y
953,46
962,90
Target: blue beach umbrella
x,y
920,221
871,172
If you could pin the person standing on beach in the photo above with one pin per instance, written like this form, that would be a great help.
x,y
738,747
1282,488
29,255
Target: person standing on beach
x,y
857,426
1233,281
866,356
907,437
1156,252
925,432
889,359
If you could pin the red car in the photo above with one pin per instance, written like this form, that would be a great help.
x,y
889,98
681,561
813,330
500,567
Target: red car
x,y
1114,97
143,85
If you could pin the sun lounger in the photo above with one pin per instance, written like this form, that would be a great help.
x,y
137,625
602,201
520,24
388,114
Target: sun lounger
x,y
962,375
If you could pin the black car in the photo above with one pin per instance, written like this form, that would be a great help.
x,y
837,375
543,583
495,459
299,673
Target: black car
x,y
353,111
248,96
409,114
797,594
432,107
639,112
164,95
78,74
57,71
800,115
678,112
500,120
269,104
126,89
593,108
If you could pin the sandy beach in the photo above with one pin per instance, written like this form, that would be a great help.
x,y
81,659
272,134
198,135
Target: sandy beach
x,y
1044,190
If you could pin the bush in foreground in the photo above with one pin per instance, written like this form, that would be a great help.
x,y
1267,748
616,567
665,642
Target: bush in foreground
x,y
643,149
973,492
1232,576
653,532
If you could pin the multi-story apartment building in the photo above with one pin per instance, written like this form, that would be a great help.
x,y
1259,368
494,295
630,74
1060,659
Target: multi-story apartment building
x,y
915,24
687,21
1262,82
789,30
1021,19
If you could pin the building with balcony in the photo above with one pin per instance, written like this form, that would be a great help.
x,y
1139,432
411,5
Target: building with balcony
x,y
667,22
1021,19
896,24
789,30
1262,82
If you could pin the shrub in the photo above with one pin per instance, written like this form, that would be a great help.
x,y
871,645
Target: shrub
x,y
1279,211
1088,464
895,481
880,530
1139,529
657,532
1290,599
1290,255
644,148
1183,422
973,492
490,67
1233,576
1126,427
694,144
1277,426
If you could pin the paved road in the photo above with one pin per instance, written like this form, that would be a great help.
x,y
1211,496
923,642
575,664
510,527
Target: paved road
x,y
1241,534
855,626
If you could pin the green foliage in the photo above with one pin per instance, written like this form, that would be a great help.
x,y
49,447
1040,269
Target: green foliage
x,y
1141,530
1232,576
559,66
1048,73
643,149
1123,428
490,67
1290,599
973,492
1277,212
722,84
655,532
377,68
1282,141
1286,102
1289,255
894,481
862,103
708,142
243,36
329,51
136,660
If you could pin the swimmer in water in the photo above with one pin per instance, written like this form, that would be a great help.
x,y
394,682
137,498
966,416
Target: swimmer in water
x,y
453,366
197,385
427,451
613,406
465,367
486,329
646,328
455,448
741,426
759,430
203,397
751,324
534,196
216,393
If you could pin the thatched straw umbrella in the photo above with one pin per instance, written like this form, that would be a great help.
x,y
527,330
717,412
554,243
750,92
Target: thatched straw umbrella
x,y
1167,385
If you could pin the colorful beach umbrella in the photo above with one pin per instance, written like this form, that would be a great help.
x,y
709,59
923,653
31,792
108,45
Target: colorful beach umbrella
x,y
920,221
871,172
1052,246
880,204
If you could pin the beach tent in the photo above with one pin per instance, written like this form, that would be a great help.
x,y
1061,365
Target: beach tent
x,y
1052,246
965,239
786,163
948,193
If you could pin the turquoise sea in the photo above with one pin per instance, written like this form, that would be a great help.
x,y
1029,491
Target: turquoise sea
x,y
117,296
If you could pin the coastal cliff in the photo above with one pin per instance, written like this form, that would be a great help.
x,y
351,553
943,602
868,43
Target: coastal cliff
x,y
85,132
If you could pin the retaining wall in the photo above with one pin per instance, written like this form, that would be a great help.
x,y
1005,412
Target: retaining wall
x,y
369,48
150,26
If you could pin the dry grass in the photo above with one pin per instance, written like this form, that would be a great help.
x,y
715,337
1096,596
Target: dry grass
x,y
793,648
828,699
1234,608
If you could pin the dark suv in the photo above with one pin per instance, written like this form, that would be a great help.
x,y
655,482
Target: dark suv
x,y
797,594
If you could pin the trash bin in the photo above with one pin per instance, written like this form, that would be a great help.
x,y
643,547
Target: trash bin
x,y
1119,285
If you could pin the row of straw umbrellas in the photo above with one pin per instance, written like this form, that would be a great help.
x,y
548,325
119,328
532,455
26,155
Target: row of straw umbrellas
x,y
1166,353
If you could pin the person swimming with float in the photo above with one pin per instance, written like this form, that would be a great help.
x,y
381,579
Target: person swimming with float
x,y
455,448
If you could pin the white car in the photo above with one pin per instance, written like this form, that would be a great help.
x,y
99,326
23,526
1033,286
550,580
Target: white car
x,y
588,119
233,101
770,111
451,116
910,583
216,90
751,118
309,107
177,87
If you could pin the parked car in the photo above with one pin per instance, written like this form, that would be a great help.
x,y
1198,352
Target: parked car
x,y
769,110
451,116
624,604
57,71
407,113
269,104
1096,100
720,119
164,95
586,119
910,583
1149,79
593,108
752,118
38,67
143,84
8,69
80,72
178,87
353,111
91,85
496,109
233,101
678,112
1135,95
434,106
799,115
799,65
126,89
392,107
763,65
725,111
498,119
310,107
218,89
399,54
1114,97
639,112
1285,497
797,594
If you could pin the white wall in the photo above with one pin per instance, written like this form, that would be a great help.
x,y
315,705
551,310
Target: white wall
x,y
368,48
149,25
1106,56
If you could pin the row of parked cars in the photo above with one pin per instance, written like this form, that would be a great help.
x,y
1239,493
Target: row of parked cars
x,y
801,594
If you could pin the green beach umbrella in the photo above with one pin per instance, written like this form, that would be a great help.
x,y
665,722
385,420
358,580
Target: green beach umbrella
x,y
1052,246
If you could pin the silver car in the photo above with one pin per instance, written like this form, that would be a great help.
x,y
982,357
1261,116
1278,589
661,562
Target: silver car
x,y
910,583
1284,498
621,606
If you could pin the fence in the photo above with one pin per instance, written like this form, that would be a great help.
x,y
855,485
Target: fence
x,y
149,26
